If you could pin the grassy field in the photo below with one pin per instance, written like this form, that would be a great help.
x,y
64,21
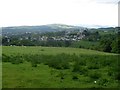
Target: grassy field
x,y
24,75
54,67
85,44
49,50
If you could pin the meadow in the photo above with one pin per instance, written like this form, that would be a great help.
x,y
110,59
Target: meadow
x,y
12,50
58,67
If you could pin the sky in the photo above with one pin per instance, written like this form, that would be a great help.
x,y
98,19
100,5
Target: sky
x,y
70,12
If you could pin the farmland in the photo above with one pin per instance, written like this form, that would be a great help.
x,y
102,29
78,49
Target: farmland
x,y
58,67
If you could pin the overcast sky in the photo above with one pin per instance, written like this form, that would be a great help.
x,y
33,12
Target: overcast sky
x,y
71,12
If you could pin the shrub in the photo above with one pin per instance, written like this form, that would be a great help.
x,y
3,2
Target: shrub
x,y
58,62
65,66
84,70
34,64
80,69
5,58
76,67
103,81
16,59
75,77
93,66
110,73
42,50
82,61
61,75
94,75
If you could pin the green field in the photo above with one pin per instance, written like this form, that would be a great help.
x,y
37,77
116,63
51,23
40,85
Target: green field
x,y
58,67
49,50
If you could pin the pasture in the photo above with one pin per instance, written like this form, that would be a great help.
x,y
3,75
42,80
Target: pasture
x,y
58,67
9,50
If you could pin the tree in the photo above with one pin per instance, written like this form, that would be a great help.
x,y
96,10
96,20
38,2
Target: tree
x,y
116,45
105,45
86,33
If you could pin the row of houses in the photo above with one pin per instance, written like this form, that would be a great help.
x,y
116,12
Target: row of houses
x,y
74,37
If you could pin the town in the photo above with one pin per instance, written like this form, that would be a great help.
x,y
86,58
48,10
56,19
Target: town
x,y
49,36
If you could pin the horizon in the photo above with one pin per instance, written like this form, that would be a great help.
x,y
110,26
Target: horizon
x,y
69,12
84,26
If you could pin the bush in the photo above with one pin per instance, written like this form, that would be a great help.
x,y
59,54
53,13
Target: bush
x,y
94,75
103,81
16,59
58,62
82,62
34,64
84,70
5,58
76,67
75,77
61,75
93,66
80,69
42,50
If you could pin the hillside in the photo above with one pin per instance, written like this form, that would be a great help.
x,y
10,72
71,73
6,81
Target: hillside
x,y
39,29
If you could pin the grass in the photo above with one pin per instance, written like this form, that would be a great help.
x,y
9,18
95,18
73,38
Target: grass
x,y
49,50
41,77
85,44
25,76
85,67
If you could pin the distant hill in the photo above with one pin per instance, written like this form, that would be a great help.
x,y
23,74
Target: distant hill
x,y
47,28
40,29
